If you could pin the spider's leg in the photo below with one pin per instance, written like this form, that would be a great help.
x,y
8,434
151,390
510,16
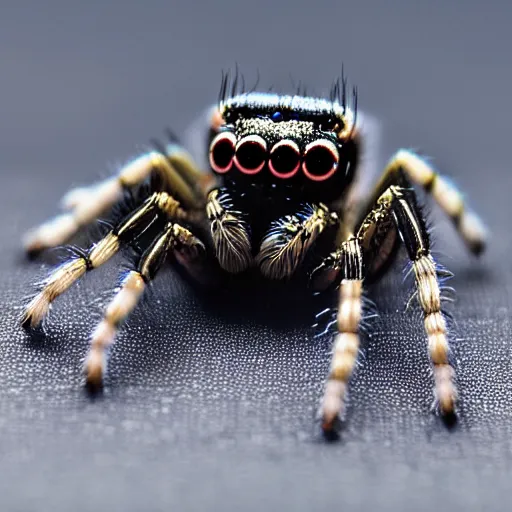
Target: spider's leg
x,y
346,342
230,232
289,238
351,264
83,205
396,208
159,204
173,238
411,225
406,167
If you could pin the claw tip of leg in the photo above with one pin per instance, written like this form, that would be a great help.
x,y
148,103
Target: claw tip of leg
x,y
93,385
331,428
478,248
449,414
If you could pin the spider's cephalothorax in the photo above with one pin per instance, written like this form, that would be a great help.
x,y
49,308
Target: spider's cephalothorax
x,y
282,161
296,147
281,196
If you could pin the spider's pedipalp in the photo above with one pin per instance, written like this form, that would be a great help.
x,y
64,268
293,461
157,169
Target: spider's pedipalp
x,y
289,238
229,232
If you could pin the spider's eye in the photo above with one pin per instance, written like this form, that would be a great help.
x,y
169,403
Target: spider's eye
x,y
320,160
284,159
277,117
222,151
251,153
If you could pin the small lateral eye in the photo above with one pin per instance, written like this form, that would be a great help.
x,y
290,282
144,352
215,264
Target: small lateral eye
x,y
251,154
222,151
320,160
277,117
284,159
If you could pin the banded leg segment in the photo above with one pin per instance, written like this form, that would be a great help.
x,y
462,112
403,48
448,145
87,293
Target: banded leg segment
x,y
68,273
397,206
173,238
416,240
346,342
406,167
86,204
289,239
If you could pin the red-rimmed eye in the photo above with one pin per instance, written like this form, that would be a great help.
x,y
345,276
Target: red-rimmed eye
x,y
320,160
222,151
284,159
251,154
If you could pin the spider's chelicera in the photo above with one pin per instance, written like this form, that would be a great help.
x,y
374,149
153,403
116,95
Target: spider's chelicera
x,y
283,179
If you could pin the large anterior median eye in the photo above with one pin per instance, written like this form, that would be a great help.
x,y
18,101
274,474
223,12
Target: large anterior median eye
x,y
284,159
222,151
320,160
251,154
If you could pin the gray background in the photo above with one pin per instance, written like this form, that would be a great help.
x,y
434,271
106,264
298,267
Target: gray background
x,y
211,407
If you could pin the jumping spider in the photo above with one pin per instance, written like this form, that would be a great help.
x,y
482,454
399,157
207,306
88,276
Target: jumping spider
x,y
283,179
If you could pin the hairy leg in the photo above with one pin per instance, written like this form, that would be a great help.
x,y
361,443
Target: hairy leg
x,y
395,207
60,280
173,238
83,205
406,168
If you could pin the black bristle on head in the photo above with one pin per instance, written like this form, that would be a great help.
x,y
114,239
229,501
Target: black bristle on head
x,y
338,93
223,87
354,106
243,82
234,84
233,87
256,82
343,89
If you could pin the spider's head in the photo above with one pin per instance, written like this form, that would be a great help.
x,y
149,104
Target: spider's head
x,y
305,146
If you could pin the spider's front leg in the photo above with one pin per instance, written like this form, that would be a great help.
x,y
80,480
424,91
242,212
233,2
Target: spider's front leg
x,y
158,205
348,260
230,233
289,239
83,205
174,238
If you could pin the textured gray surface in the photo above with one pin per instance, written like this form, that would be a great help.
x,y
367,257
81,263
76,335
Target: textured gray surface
x,y
211,408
